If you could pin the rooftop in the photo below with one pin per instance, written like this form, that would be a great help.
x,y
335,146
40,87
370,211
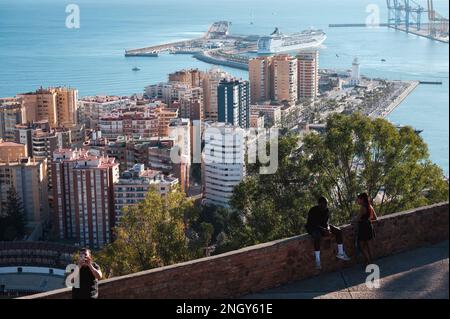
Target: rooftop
x,y
10,144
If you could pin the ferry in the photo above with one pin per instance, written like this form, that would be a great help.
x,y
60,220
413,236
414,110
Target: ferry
x,y
278,42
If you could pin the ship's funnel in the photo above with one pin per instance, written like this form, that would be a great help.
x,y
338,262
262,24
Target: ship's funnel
x,y
276,32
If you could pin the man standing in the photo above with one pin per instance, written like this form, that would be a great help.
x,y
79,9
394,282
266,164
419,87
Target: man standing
x,y
317,226
89,274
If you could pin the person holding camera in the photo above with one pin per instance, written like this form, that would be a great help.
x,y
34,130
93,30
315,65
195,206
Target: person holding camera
x,y
89,275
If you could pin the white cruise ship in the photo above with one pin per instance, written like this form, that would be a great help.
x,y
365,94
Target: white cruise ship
x,y
278,42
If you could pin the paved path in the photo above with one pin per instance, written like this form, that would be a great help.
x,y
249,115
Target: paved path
x,y
417,274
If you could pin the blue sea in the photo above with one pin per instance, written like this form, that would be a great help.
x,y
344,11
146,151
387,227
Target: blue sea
x,y
37,49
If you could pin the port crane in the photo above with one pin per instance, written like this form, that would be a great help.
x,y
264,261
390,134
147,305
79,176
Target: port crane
x,y
405,13
437,23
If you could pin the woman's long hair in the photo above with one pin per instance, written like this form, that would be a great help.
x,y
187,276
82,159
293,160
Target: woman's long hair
x,y
367,204
365,199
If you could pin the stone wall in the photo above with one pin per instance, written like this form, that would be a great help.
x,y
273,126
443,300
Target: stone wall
x,y
271,264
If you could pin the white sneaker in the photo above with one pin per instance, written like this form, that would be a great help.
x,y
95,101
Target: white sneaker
x,y
343,257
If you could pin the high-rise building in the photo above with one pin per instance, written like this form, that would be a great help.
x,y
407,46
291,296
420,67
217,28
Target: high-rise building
x,y
10,116
284,80
233,97
210,84
273,78
28,178
223,162
134,184
83,195
41,141
260,79
180,132
191,77
56,105
308,75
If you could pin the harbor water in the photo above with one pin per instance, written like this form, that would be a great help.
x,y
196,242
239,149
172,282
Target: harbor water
x,y
36,48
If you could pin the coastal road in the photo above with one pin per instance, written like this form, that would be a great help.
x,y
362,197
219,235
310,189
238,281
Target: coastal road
x,y
421,273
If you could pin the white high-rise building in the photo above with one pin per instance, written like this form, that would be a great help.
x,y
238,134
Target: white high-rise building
x,y
223,162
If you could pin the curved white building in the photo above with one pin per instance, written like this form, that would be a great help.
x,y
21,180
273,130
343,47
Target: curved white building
x,y
223,162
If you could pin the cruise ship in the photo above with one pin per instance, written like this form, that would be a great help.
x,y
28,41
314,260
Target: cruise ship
x,y
278,42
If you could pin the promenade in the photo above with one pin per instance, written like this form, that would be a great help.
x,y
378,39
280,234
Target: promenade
x,y
422,273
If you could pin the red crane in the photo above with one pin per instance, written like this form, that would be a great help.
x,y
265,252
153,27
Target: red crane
x,y
438,25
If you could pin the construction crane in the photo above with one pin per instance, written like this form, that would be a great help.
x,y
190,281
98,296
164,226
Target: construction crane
x,y
437,23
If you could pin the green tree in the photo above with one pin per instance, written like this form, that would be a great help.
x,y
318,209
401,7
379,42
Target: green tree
x,y
268,207
150,234
12,221
206,236
357,154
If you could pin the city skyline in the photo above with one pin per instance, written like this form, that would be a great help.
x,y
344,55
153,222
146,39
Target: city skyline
x,y
224,150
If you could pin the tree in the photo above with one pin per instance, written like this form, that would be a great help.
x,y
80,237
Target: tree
x,y
150,234
268,207
357,154
12,222
207,231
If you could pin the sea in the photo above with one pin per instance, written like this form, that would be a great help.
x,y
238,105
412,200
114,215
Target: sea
x,y
38,49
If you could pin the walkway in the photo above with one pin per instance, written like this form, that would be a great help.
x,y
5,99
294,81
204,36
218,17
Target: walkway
x,y
417,274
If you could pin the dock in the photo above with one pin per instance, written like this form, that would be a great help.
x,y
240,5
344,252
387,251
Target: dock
x,y
356,25
406,16
397,101
160,48
217,31
424,32
431,82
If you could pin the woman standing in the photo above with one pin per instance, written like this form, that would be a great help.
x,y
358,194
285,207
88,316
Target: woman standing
x,y
365,229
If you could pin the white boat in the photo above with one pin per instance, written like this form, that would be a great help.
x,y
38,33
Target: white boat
x,y
278,42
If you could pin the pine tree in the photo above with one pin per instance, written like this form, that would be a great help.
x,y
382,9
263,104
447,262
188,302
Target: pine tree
x,y
13,222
